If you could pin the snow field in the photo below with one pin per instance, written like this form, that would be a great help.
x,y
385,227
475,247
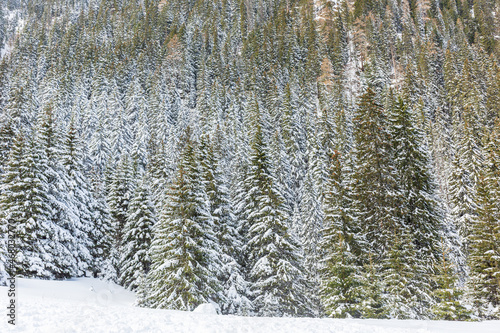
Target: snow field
x,y
92,305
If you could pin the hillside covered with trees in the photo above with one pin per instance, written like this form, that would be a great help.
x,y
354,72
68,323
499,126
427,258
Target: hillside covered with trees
x,y
273,157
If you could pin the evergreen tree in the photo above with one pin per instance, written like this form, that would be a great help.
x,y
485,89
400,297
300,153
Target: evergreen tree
x,y
374,177
6,140
447,294
23,201
485,238
80,195
311,213
373,304
419,209
137,236
235,293
278,280
66,236
120,191
341,281
184,254
419,212
401,294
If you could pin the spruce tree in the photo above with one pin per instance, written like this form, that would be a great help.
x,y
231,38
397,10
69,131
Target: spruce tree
x,y
448,295
278,280
67,235
400,274
137,236
373,303
374,177
235,289
311,213
184,251
80,195
6,140
120,191
23,201
419,210
484,240
341,289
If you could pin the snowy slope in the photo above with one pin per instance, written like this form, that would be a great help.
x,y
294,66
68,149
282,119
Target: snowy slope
x,y
90,305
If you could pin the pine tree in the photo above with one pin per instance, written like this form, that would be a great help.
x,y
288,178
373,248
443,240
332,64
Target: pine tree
x,y
311,213
419,209
120,191
278,281
80,195
341,281
373,302
66,235
184,252
484,257
374,177
399,278
447,294
137,236
6,140
235,289
23,200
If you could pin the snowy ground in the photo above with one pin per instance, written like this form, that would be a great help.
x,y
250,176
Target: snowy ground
x,y
90,305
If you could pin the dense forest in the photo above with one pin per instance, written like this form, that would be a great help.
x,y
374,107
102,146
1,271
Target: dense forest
x,y
272,157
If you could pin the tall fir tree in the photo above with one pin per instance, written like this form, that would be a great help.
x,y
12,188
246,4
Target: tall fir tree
x,y
274,261
235,293
184,251
484,257
374,176
120,191
135,260
341,274
24,203
448,295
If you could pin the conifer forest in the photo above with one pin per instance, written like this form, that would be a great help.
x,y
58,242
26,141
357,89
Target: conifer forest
x,y
308,158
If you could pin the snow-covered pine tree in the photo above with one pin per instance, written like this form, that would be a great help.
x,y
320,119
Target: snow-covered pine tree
x,y
341,289
69,257
295,139
468,137
235,289
274,261
136,109
101,236
311,213
373,302
375,197
80,195
184,251
399,275
419,209
120,191
135,261
6,140
374,178
23,200
448,295
484,238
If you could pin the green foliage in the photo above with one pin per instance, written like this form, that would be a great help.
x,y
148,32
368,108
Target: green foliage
x,y
447,294
184,251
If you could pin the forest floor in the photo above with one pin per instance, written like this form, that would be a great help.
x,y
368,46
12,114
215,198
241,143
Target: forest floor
x,y
92,305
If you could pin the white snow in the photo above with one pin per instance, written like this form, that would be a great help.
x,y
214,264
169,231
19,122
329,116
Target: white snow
x,y
206,308
91,305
